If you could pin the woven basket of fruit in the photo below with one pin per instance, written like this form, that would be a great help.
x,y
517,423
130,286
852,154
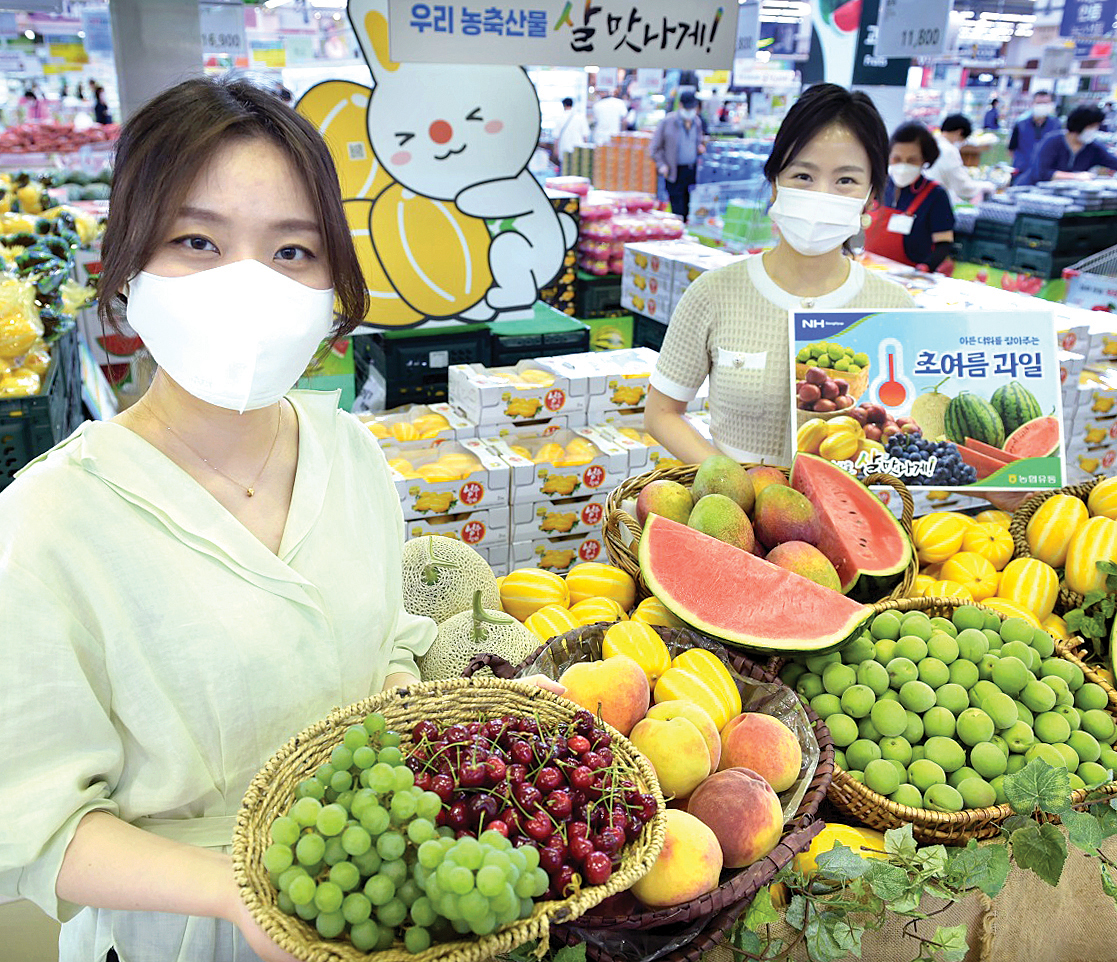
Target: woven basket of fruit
x,y
729,691
1071,528
929,711
331,874
829,488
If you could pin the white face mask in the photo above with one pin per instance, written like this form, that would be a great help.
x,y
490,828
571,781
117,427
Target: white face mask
x,y
814,221
903,174
1041,110
687,113
237,336
1089,135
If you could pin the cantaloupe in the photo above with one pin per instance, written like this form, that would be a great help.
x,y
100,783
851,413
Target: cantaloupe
x,y
470,633
440,576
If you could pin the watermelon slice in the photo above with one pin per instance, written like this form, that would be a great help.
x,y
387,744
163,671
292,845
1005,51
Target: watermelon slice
x,y
735,596
1038,438
997,454
865,543
983,464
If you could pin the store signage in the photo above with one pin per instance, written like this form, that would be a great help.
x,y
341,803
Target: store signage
x,y
268,53
66,49
1057,61
913,28
1089,18
759,77
223,28
870,69
12,62
96,23
649,79
901,368
638,33
37,6
748,30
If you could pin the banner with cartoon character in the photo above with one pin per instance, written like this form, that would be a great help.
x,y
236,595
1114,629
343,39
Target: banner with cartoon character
x,y
448,221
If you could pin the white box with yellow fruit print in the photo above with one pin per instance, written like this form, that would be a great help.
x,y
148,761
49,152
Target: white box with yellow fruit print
x,y
1090,434
929,502
557,554
1103,343
434,423
693,263
657,306
552,519
1095,403
541,428
496,555
504,395
616,380
626,428
569,464
647,261
456,476
1085,462
474,528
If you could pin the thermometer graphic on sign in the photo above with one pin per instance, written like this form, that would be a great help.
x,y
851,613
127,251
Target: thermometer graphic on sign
x,y
891,387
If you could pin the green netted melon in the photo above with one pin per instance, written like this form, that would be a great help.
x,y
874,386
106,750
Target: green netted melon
x,y
440,575
470,633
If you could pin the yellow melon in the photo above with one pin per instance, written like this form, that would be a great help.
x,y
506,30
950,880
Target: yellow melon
x,y
592,579
939,535
548,453
993,516
386,307
549,621
1103,499
526,590
1051,528
990,540
1095,541
1031,583
641,643
403,431
652,611
922,583
590,611
974,572
1056,627
948,589
339,109
1011,609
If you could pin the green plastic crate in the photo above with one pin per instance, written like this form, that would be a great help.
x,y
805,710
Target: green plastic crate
x,y
648,332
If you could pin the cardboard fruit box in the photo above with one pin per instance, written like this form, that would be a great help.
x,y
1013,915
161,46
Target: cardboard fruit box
x,y
557,554
626,428
505,395
456,476
615,380
567,464
489,526
434,423
567,516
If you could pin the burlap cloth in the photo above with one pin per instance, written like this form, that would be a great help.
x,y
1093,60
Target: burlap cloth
x,y
1029,921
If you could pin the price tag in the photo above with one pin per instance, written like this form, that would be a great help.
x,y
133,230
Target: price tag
x,y
913,28
223,29
748,29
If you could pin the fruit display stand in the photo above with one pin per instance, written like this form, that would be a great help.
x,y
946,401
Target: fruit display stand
x,y
273,790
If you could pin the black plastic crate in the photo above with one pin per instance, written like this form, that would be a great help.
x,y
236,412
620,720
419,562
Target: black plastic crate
x,y
990,253
597,296
29,426
647,332
994,231
1042,263
507,349
1064,235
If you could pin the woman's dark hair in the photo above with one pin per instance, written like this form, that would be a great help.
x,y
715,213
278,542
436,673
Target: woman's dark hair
x,y
1082,117
958,122
913,133
822,106
164,147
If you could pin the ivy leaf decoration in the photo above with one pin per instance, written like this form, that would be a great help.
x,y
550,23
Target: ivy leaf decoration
x,y
761,912
1042,849
984,867
1038,786
1084,831
950,943
888,882
900,841
842,864
571,953
1108,886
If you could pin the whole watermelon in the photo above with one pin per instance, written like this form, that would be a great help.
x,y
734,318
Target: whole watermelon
x,y
1016,405
970,416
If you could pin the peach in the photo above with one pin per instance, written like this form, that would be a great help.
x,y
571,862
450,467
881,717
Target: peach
x,y
763,475
688,866
617,688
743,812
695,714
677,751
764,745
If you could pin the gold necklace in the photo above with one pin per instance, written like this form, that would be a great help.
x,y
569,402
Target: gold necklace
x,y
249,490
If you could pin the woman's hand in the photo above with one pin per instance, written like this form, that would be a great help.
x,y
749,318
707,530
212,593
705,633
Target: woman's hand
x,y
542,681
1007,500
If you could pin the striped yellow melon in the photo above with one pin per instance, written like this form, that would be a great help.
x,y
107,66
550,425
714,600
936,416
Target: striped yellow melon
x,y
993,516
974,572
592,579
937,536
931,571
1056,627
590,611
1011,609
1031,583
948,589
652,611
1103,499
990,540
641,643
550,620
1051,528
526,590
922,582
1095,541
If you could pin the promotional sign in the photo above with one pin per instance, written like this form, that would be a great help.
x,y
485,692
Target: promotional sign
x,y
268,53
1057,61
833,41
870,68
650,33
98,29
1089,18
913,28
940,399
748,29
223,28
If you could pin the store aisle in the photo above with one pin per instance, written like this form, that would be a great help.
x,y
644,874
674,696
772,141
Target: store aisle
x,y
27,934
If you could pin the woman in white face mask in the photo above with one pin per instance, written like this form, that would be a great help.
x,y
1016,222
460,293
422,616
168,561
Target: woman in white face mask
x,y
1073,154
211,571
914,222
828,162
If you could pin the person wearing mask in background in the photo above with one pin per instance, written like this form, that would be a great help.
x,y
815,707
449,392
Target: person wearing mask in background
x,y
1072,154
101,113
1030,130
676,146
572,130
949,170
609,115
914,222
828,162
992,119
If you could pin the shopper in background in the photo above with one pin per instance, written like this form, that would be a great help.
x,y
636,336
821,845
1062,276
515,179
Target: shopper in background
x,y
678,142
992,119
609,115
828,162
1071,154
572,130
949,170
220,564
1110,111
1030,130
101,113
914,222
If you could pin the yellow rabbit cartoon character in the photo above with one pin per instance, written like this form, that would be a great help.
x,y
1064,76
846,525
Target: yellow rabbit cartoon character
x,y
428,158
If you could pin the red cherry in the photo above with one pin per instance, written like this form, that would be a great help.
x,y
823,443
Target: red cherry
x,y
580,848
471,775
601,739
609,840
551,860
443,787
483,808
548,779
605,753
564,881
578,744
582,778
521,753
632,825
458,816
593,761
528,795
597,868
577,830
539,826
456,734
516,773
496,825
495,771
425,729
559,804
423,781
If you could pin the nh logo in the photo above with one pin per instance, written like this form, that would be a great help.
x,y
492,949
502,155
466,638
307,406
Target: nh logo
x,y
813,323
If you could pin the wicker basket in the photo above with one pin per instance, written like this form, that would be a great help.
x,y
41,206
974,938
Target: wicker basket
x,y
1019,530
951,828
273,790
858,383
622,533
738,888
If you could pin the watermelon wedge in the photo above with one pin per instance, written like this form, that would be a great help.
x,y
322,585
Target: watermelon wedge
x,y
997,454
735,596
865,543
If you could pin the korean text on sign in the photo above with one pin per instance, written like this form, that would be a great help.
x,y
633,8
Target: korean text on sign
x,y
473,21
978,364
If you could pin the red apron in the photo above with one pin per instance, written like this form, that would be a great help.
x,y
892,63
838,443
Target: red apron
x,y
880,240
